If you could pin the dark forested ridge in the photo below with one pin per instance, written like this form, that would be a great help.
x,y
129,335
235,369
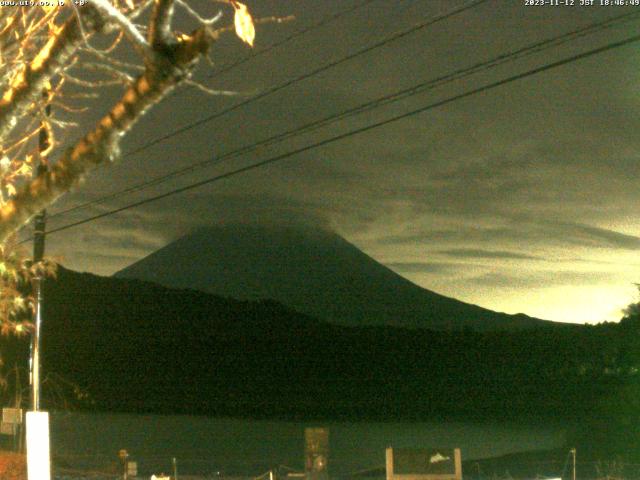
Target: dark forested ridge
x,y
139,347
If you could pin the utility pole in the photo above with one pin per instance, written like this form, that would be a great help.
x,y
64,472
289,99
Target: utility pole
x,y
38,253
37,421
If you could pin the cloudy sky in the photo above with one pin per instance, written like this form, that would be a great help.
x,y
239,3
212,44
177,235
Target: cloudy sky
x,y
523,198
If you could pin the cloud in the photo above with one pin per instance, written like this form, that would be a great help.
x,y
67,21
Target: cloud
x,y
493,254
540,279
423,267
436,236
471,239
599,237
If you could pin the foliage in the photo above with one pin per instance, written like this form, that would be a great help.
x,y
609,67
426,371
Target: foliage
x,y
632,311
16,302
13,466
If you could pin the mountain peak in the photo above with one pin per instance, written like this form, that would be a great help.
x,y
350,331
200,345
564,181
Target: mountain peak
x,y
312,270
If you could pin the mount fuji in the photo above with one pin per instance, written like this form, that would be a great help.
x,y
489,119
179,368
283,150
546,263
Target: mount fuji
x,y
313,271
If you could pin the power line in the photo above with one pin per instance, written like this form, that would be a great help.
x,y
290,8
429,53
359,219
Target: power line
x,y
312,73
376,103
357,131
232,65
276,88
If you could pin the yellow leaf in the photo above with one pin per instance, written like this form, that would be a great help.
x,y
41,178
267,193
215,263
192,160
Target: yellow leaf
x,y
24,170
130,4
11,190
48,6
243,23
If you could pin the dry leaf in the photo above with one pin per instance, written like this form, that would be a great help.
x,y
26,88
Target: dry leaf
x,y
48,6
243,23
24,170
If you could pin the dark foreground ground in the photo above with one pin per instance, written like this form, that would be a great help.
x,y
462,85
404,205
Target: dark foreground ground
x,y
542,464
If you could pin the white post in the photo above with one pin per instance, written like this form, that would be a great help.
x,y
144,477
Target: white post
x,y
38,459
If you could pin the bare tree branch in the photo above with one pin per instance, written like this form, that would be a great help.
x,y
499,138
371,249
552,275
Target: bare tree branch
x,y
197,16
160,33
27,84
102,143
112,15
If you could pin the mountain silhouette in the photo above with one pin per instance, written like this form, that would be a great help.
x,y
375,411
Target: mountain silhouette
x,y
313,271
